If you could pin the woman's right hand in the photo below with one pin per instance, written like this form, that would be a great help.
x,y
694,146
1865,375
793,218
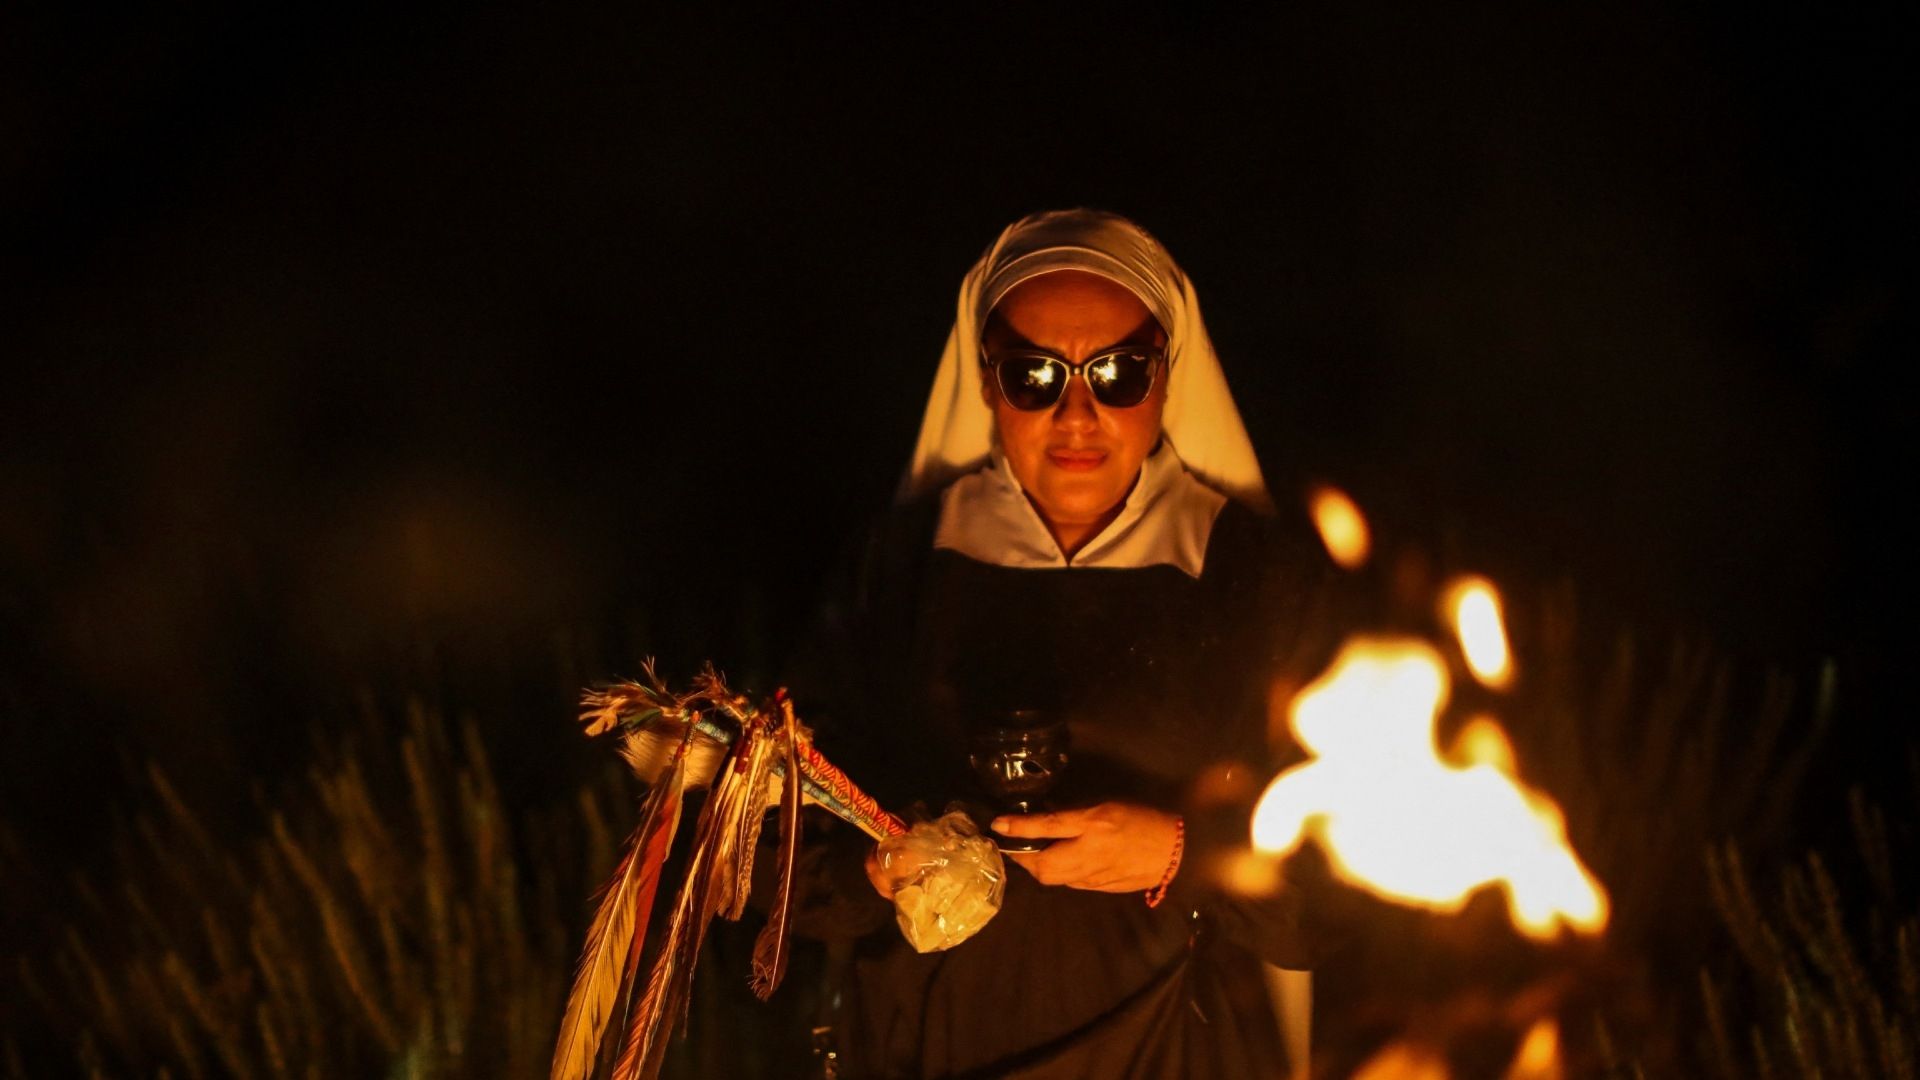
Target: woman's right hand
x,y
877,874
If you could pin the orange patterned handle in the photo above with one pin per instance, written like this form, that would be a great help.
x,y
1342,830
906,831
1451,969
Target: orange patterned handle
x,y
855,805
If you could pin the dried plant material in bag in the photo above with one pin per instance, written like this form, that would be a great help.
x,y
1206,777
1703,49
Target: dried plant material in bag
x,y
947,881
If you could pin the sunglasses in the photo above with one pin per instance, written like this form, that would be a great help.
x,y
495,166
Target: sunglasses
x,y
1120,378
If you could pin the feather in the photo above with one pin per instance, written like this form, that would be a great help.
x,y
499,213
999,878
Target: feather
x,y
711,686
733,863
663,1006
628,703
649,749
770,948
618,929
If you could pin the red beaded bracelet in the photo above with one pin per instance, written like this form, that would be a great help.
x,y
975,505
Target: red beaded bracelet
x,y
1159,892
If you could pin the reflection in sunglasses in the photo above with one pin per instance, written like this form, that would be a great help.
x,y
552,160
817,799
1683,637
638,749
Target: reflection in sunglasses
x,y
1032,380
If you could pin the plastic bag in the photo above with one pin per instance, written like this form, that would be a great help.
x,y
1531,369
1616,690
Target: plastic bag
x,y
947,881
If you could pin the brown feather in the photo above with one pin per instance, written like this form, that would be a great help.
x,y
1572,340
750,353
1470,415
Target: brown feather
x,y
733,864
770,948
619,926
631,703
663,1006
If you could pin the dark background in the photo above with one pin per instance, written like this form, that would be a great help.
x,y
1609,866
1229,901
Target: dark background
x,y
476,352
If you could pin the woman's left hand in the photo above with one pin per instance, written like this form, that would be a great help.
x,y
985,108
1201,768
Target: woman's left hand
x,y
1112,847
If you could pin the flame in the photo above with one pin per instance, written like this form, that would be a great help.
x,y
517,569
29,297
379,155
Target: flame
x,y
1473,607
1397,819
1408,1059
1539,1056
1343,529
1484,742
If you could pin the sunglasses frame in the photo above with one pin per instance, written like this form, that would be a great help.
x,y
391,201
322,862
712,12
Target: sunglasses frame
x,y
1157,359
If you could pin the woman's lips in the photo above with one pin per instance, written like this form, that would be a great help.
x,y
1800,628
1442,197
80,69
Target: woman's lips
x,y
1077,460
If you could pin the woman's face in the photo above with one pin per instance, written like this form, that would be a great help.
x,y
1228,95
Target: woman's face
x,y
1078,459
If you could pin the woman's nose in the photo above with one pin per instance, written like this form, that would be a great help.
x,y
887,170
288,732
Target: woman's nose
x,y
1076,410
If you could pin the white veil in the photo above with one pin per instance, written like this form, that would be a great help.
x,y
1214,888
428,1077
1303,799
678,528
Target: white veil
x,y
1201,421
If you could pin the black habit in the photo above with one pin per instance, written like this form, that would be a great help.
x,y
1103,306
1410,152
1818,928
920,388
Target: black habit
x,y
1163,679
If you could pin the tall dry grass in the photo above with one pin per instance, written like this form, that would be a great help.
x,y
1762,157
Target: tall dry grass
x,y
1828,978
1749,939
392,917
1669,762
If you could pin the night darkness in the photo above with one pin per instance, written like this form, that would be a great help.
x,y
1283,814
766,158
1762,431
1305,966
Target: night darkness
x,y
474,354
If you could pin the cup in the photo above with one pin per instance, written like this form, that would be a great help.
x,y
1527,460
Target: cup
x,y
1017,759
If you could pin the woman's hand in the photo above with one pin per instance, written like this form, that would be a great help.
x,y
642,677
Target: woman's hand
x,y
878,875
1112,847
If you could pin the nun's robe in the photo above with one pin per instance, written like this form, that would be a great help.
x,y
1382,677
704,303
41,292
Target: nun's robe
x,y
1163,678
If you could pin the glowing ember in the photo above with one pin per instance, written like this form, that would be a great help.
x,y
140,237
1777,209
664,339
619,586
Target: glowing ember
x,y
1473,607
1343,529
1398,820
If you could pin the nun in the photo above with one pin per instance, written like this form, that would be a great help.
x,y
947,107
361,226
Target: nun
x,y
1082,532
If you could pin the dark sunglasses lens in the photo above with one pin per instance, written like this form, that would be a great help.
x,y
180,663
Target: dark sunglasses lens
x,y
1121,380
1031,382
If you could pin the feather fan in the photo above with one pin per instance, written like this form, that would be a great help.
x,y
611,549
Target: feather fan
x,y
754,758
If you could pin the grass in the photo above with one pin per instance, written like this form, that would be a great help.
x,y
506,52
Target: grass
x,y
1828,979
391,919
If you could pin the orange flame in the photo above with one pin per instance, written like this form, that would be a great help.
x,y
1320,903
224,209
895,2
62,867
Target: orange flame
x,y
1484,742
1537,1059
1473,607
1343,529
1539,1056
1397,819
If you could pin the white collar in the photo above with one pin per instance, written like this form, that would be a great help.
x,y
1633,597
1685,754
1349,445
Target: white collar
x,y
1167,519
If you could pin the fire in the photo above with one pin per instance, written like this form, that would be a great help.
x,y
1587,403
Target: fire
x,y
1473,607
1400,820
1539,1056
1396,818
1483,742
1537,1059
1343,529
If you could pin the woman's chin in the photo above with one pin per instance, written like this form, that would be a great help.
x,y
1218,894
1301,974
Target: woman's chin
x,y
1079,504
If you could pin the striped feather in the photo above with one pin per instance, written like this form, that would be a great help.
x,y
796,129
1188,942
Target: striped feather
x,y
733,863
770,948
663,1006
618,929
